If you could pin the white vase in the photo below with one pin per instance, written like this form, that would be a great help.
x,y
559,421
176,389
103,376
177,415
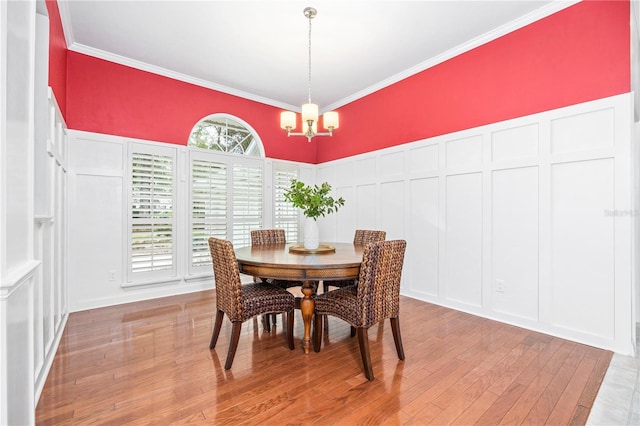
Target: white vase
x,y
311,235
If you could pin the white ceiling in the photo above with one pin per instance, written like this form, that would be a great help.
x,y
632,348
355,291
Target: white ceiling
x,y
258,49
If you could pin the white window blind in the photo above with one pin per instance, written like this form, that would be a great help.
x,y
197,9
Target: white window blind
x,y
208,207
285,216
247,202
152,213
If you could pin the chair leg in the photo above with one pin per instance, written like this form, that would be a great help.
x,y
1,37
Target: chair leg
x,y
353,331
325,286
274,319
363,340
216,329
266,322
289,333
317,332
397,338
233,345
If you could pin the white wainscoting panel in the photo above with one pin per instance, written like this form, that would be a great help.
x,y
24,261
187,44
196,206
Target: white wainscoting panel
x,y
346,216
536,202
424,159
582,246
464,238
102,229
392,209
97,155
515,143
464,152
514,241
391,164
580,132
344,175
541,204
423,256
365,168
366,206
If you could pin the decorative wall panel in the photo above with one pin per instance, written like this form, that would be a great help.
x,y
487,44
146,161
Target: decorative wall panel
x,y
464,238
514,241
583,246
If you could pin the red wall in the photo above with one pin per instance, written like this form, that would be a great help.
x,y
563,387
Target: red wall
x,y
576,55
57,56
105,97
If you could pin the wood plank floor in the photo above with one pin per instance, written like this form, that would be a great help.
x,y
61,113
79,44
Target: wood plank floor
x,y
149,363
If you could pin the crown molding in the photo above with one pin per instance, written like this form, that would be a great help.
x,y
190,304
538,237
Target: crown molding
x,y
143,66
65,18
543,12
523,21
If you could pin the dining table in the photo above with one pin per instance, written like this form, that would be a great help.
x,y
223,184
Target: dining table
x,y
331,261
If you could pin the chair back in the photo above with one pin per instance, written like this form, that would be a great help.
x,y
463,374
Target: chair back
x,y
378,294
268,236
365,236
227,278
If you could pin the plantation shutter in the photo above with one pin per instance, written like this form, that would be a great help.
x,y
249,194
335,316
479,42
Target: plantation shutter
x,y
208,208
247,202
152,213
285,216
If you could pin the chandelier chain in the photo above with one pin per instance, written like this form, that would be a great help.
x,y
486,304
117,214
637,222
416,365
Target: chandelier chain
x,y
310,17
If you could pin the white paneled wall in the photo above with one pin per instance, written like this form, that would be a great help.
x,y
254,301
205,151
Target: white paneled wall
x,y
528,221
98,221
33,221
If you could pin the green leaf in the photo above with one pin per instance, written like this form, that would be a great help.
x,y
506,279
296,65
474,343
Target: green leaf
x,y
315,201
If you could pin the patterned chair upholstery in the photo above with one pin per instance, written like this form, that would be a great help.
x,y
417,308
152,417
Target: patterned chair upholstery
x,y
376,297
362,236
242,302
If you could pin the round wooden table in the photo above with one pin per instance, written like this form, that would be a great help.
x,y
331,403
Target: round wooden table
x,y
277,262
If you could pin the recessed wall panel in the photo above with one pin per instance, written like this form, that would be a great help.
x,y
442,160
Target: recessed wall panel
x,y
464,152
423,239
423,159
344,174
366,168
464,238
345,217
366,206
391,164
582,131
514,238
392,209
515,143
96,238
96,155
582,246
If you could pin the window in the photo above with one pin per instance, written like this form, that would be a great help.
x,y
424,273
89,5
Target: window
x,y
247,202
208,207
285,216
151,211
226,202
225,133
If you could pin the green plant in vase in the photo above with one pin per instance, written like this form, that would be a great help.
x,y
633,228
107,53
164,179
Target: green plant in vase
x,y
314,201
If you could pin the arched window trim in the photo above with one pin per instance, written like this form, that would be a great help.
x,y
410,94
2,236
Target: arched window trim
x,y
256,136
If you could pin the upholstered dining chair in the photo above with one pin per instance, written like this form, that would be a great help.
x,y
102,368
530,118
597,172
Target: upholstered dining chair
x,y
271,236
242,302
362,236
376,297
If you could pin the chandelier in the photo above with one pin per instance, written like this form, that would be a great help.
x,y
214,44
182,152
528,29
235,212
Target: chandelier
x,y
309,110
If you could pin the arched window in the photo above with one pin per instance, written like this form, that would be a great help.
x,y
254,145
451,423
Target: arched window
x,y
226,133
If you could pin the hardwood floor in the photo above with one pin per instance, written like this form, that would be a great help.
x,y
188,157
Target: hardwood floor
x,y
149,363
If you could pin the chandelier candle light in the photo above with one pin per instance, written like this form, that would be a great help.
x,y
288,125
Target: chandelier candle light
x,y
309,110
